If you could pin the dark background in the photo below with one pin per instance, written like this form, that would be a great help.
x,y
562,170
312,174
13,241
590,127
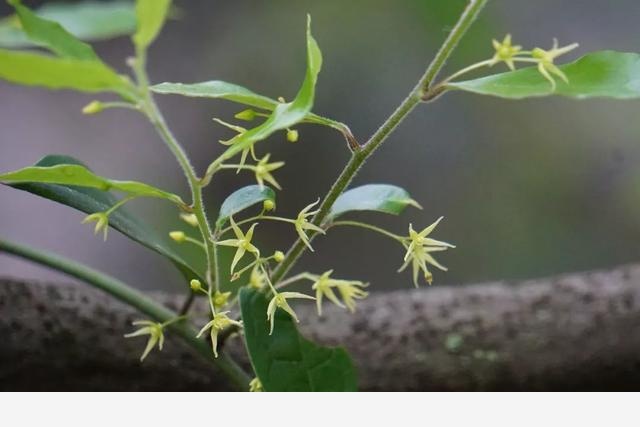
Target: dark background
x,y
528,188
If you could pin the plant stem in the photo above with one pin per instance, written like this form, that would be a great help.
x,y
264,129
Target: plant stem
x,y
186,306
467,18
133,298
157,120
368,227
420,92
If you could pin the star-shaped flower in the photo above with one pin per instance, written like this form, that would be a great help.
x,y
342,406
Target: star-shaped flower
x,y
505,52
220,299
102,223
263,171
241,131
349,291
155,332
242,242
280,301
419,246
324,288
219,322
302,224
546,58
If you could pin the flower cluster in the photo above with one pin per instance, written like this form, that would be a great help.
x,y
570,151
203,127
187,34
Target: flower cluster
x,y
508,53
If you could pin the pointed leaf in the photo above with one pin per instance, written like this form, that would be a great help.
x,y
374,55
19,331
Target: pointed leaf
x,y
87,20
242,199
217,89
150,15
52,35
285,115
285,360
79,175
90,200
599,74
373,197
33,69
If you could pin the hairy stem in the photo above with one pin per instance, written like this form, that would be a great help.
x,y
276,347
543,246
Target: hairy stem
x,y
419,93
157,120
467,18
133,298
152,111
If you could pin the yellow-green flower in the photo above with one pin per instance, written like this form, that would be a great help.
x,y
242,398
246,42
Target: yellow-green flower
x,y
255,385
235,139
263,171
242,242
302,224
505,52
324,288
349,291
280,301
219,322
419,246
220,299
155,332
546,58
419,258
102,223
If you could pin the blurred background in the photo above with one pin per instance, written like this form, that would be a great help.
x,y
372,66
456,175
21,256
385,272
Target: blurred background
x,y
527,188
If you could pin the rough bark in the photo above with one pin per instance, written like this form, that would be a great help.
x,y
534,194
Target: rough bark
x,y
573,332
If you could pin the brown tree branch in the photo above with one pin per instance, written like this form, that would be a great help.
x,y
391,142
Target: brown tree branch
x,y
578,331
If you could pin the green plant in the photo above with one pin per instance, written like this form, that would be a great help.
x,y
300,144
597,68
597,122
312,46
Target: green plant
x,y
281,358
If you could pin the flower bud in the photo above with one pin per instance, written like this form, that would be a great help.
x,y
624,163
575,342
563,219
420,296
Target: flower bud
x,y
195,285
178,236
247,115
278,256
94,107
268,205
190,219
292,135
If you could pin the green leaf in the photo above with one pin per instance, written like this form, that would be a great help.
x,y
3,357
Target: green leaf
x,y
242,199
90,200
150,15
33,69
77,66
78,175
286,361
288,114
217,89
599,74
373,197
87,20
52,35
